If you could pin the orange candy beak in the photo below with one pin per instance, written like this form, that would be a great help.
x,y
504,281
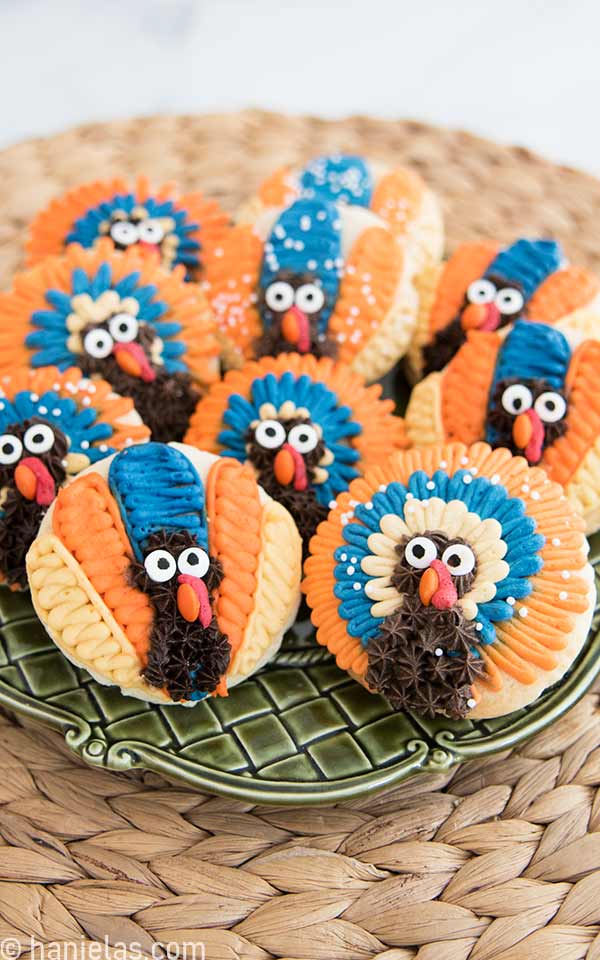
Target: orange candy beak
x,y
26,481
284,467
436,587
295,329
522,430
428,585
133,361
188,602
480,316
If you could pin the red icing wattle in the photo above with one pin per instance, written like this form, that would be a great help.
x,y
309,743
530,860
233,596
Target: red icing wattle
x,y
300,477
533,450
134,350
199,588
492,318
45,489
446,595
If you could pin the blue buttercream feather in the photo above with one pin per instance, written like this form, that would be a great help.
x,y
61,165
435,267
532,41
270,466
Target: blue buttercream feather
x,y
528,263
157,488
339,178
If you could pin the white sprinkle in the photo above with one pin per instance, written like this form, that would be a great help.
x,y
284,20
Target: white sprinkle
x,y
443,464
525,488
350,571
511,601
2,405
321,215
566,574
305,222
473,470
471,703
382,487
86,401
358,586
43,410
563,595
478,626
495,479
467,478
84,444
332,504
535,495
56,386
368,506
34,397
523,611
56,412
343,557
556,541
299,245
430,485
279,231
353,559
353,503
288,243
103,448
312,264
464,460
439,652
91,388
409,495
329,264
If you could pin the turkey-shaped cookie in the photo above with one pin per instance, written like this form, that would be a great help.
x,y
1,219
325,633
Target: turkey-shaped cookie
x,y
307,427
120,317
178,230
397,195
52,426
453,580
166,571
530,392
314,278
486,287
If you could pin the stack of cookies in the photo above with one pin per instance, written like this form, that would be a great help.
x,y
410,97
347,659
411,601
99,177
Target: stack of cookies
x,y
198,426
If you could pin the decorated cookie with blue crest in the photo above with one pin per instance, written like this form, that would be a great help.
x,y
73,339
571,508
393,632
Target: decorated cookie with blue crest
x,y
531,391
178,230
306,427
314,278
487,287
397,195
453,580
119,317
53,425
167,572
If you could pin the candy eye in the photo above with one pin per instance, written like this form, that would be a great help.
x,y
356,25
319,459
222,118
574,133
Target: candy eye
x,y
517,398
303,437
309,298
510,301
270,434
124,233
160,566
39,438
123,327
550,407
193,561
279,296
459,559
481,291
420,551
11,449
98,343
151,231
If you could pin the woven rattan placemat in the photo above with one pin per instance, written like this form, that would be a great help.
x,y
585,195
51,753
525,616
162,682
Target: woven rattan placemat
x,y
499,860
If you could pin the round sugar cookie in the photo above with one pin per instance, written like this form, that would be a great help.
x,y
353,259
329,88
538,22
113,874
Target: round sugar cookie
x,y
487,287
120,317
530,390
52,426
454,580
177,230
166,571
314,278
307,427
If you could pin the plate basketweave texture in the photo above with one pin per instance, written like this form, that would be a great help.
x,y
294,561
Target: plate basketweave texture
x,y
494,859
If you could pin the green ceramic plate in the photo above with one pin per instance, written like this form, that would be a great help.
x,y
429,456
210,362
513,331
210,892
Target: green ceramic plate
x,y
300,731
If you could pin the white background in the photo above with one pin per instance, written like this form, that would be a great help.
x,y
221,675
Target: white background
x,y
520,71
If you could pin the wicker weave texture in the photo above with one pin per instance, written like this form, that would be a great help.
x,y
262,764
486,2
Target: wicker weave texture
x,y
498,860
